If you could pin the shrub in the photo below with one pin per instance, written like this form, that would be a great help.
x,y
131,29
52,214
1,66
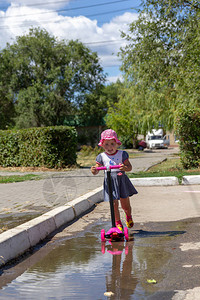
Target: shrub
x,y
127,141
188,130
51,147
88,150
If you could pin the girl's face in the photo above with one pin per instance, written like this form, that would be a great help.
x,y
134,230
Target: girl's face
x,y
110,146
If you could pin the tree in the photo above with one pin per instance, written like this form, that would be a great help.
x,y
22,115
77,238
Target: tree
x,y
188,129
49,79
6,103
121,118
160,64
96,105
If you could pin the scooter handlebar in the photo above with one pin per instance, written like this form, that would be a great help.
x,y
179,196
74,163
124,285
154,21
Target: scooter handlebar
x,y
109,168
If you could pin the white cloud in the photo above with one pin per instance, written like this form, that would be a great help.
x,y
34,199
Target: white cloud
x,y
48,4
105,40
114,78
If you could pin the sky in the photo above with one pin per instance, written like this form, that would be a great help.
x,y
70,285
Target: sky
x,y
96,23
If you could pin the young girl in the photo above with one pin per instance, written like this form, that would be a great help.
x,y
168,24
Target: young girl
x,y
121,185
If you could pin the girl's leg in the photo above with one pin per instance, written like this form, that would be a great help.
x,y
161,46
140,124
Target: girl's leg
x,y
117,215
116,210
126,206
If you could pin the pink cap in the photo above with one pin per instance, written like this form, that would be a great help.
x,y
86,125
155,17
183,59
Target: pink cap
x,y
109,134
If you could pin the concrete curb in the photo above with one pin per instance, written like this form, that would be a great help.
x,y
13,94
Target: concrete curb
x,y
165,181
192,179
16,241
153,181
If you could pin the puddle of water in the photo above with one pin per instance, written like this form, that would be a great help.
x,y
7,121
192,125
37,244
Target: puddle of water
x,y
9,222
13,219
83,268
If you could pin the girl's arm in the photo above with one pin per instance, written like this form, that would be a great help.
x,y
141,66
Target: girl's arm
x,y
98,164
126,166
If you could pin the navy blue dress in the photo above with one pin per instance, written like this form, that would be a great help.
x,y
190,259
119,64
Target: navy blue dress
x,y
121,184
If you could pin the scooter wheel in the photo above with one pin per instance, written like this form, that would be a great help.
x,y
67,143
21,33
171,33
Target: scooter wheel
x,y
103,247
126,234
103,235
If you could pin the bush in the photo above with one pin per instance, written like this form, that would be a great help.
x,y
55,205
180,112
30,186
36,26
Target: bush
x,y
188,130
88,150
127,142
51,147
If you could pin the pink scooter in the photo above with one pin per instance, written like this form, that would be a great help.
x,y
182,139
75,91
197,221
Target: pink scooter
x,y
114,233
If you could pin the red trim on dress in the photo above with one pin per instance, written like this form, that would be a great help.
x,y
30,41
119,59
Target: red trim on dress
x,y
125,160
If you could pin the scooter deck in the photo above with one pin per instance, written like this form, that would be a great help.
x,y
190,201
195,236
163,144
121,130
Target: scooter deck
x,y
114,237
114,234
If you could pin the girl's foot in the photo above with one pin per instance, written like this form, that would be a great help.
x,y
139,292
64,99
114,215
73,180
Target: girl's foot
x,y
119,225
129,222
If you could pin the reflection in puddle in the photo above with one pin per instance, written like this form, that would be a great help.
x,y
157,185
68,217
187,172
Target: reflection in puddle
x,y
16,219
83,268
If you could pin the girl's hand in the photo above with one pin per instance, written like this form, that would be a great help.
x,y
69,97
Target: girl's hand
x,y
123,167
94,170
126,167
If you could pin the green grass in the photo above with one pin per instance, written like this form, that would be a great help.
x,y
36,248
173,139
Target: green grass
x,y
170,167
18,178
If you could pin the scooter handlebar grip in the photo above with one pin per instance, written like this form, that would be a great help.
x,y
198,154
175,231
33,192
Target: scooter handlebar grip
x,y
101,168
115,167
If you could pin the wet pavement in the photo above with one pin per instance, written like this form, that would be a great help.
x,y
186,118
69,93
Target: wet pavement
x,y
82,267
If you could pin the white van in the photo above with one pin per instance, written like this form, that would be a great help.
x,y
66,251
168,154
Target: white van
x,y
156,140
